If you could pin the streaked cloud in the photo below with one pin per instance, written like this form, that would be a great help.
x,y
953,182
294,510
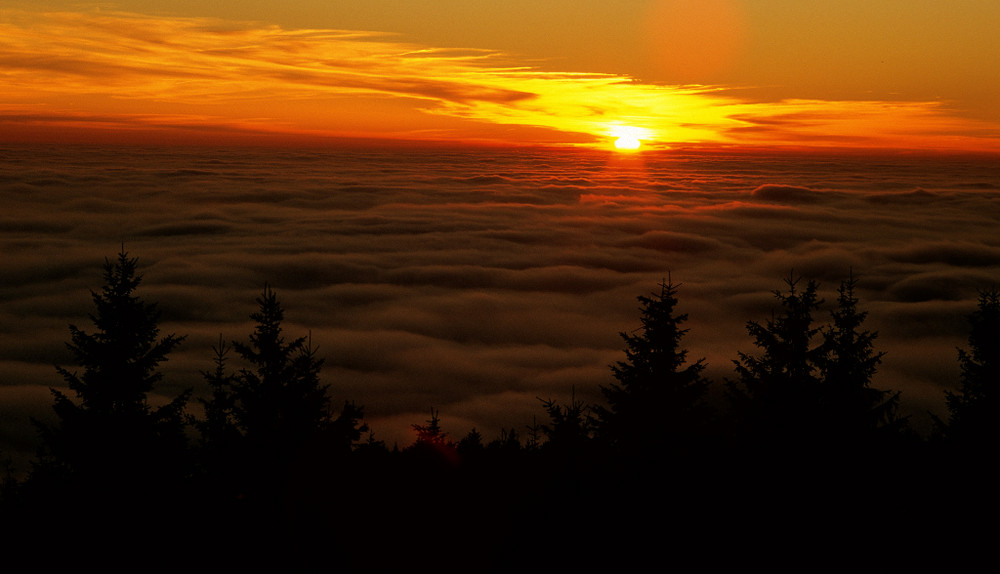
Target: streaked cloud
x,y
115,73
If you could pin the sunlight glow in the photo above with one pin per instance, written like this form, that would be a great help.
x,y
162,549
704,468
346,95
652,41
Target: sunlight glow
x,y
627,142
628,137
65,74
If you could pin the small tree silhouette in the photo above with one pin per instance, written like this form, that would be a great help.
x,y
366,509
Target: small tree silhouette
x,y
569,432
219,429
508,441
471,444
658,401
432,449
431,433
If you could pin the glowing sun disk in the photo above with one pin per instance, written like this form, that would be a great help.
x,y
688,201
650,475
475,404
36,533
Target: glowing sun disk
x,y
627,142
627,137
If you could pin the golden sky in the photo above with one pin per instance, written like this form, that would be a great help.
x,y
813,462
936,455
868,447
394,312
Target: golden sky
x,y
894,73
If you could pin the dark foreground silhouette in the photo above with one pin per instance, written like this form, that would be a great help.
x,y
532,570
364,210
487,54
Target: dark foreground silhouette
x,y
798,462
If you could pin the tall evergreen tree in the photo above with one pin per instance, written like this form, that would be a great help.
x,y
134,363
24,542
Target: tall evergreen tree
x,y
219,427
273,413
777,396
974,410
279,400
853,410
111,439
658,400
221,448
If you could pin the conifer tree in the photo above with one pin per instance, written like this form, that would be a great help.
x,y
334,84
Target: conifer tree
x,y
853,409
508,441
431,433
658,400
433,445
221,448
279,401
973,410
219,428
471,443
569,431
777,396
111,438
273,413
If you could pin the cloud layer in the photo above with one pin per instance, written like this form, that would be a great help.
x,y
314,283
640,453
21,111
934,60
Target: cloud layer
x,y
475,281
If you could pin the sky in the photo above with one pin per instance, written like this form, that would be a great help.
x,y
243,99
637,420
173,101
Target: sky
x,y
664,73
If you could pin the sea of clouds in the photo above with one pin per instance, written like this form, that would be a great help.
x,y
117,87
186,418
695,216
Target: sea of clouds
x,y
477,281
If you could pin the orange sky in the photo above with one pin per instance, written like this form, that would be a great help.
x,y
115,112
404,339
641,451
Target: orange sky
x,y
902,74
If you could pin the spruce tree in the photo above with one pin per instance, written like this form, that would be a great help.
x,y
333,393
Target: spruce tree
x,y
569,432
508,441
110,441
973,410
219,427
221,447
268,422
658,402
433,450
471,448
279,402
854,411
777,395
431,434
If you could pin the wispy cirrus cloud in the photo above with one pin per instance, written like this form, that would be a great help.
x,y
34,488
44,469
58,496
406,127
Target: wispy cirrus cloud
x,y
119,72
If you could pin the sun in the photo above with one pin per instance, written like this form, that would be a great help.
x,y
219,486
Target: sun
x,y
627,138
627,142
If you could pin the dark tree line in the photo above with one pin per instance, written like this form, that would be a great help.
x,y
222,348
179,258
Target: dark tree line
x,y
269,468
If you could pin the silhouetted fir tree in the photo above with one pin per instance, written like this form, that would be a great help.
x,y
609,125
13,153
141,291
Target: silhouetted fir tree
x,y
973,423
506,456
569,433
429,467
219,428
854,411
432,444
431,433
271,420
777,397
372,446
111,444
344,432
471,443
220,448
279,400
508,441
657,405
534,440
470,450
